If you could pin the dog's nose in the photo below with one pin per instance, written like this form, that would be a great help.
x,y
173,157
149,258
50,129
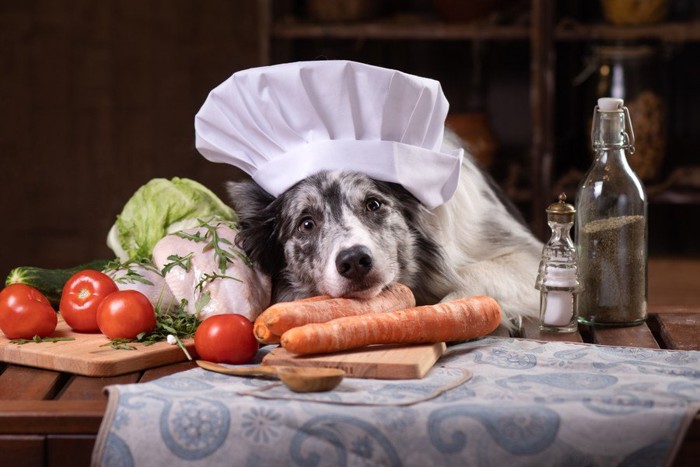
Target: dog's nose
x,y
354,262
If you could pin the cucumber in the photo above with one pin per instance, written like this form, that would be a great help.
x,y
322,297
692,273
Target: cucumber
x,y
49,281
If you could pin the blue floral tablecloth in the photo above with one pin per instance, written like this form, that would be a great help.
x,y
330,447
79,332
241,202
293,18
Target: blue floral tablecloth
x,y
491,402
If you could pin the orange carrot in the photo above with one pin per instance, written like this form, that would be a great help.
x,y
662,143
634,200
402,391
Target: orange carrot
x,y
264,335
457,320
282,317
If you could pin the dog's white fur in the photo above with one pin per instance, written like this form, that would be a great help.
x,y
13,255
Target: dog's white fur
x,y
484,249
483,265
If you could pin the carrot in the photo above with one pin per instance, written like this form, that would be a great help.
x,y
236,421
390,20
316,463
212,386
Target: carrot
x,y
457,320
264,335
284,316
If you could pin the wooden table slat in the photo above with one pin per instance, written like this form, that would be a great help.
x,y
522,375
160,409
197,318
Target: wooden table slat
x,y
25,383
633,336
22,450
680,331
531,330
90,388
663,309
69,450
165,370
42,417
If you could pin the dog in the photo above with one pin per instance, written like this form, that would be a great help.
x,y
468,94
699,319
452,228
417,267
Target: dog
x,y
343,233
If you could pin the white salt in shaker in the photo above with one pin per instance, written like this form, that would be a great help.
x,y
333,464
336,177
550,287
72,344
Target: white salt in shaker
x,y
557,279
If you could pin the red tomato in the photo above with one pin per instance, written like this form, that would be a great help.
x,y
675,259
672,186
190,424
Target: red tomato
x,y
25,312
125,314
82,294
226,339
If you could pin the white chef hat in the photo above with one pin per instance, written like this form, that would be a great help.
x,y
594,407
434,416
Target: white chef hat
x,y
285,122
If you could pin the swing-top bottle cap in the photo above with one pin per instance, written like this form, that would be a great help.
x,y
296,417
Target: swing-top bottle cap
x,y
612,126
610,104
561,211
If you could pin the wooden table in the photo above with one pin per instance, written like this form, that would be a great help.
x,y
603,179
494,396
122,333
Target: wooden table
x,y
51,418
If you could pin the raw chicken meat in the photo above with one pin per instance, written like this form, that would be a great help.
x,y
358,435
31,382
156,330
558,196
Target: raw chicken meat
x,y
193,260
146,279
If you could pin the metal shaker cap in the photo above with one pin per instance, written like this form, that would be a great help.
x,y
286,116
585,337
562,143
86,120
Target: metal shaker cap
x,y
561,211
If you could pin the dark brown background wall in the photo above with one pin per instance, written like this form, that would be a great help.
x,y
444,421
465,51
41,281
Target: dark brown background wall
x,y
97,98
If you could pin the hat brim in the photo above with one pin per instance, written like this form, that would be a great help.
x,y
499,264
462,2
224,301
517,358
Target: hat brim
x,y
431,176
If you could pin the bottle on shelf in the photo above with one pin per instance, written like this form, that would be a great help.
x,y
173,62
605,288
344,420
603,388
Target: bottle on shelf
x,y
611,225
631,73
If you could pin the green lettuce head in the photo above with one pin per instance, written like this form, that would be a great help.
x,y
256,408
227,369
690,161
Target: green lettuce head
x,y
159,208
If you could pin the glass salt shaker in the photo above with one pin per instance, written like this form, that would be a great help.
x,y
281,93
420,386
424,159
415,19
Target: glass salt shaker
x,y
557,279
611,225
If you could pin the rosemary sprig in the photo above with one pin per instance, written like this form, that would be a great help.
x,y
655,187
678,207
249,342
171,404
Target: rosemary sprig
x,y
39,340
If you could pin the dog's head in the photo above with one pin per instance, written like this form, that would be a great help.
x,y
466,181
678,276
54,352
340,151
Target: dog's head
x,y
334,233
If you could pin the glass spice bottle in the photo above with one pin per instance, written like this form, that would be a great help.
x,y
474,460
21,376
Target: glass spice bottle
x,y
611,225
557,279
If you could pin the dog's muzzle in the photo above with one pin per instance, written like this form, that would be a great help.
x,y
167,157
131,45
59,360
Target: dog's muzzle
x,y
354,263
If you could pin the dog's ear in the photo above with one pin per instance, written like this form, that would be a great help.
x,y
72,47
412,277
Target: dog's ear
x,y
257,219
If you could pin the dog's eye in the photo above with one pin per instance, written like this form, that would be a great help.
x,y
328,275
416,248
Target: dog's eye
x,y
373,204
306,225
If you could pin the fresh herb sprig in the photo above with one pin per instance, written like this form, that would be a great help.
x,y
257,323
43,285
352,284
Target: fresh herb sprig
x,y
38,340
123,273
224,251
206,278
185,262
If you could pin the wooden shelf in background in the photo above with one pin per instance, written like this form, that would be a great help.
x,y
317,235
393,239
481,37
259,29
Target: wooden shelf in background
x,y
398,30
676,196
568,30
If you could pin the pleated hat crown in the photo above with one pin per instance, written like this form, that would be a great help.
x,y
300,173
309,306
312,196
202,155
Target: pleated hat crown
x,y
282,123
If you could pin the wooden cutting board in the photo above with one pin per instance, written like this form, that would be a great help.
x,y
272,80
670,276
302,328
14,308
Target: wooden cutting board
x,y
376,361
87,355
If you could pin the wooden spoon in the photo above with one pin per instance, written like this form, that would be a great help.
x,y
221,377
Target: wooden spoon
x,y
296,378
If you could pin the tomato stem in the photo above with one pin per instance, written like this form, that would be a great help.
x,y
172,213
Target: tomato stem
x,y
84,293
